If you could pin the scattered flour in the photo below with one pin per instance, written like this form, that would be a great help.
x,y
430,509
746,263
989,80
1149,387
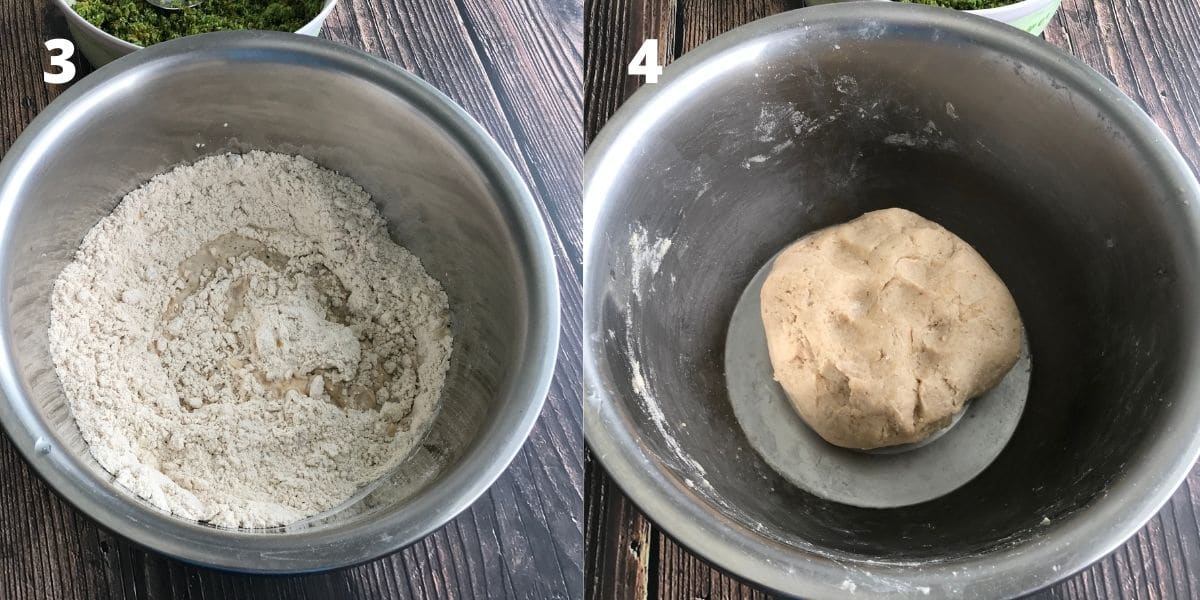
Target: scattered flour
x,y
242,343
646,253
647,256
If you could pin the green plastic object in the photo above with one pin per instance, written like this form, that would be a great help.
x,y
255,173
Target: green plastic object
x,y
1036,22
1028,15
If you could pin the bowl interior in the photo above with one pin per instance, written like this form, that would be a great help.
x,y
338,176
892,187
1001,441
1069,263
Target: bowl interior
x,y
443,200
791,129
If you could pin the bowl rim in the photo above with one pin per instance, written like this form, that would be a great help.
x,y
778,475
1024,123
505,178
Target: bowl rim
x,y
996,12
1058,549
343,544
68,10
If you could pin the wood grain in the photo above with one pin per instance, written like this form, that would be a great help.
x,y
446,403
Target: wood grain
x,y
514,65
620,543
616,29
702,20
685,576
1150,49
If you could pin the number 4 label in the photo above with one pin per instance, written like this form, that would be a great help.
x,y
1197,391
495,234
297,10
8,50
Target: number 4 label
x,y
62,61
645,62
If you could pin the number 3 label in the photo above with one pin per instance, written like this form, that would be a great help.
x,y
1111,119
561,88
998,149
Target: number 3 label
x,y
62,60
645,62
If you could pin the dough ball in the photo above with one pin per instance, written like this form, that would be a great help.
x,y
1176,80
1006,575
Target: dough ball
x,y
881,329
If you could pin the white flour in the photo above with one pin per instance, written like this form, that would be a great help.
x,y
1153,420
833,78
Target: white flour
x,y
242,343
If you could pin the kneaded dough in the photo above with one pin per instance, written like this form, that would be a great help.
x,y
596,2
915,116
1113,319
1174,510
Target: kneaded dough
x,y
881,329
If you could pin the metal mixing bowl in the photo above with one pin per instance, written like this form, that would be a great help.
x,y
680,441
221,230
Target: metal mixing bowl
x,y
449,195
810,118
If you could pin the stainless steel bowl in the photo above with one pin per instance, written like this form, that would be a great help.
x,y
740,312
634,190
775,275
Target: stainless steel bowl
x,y
810,118
100,47
446,189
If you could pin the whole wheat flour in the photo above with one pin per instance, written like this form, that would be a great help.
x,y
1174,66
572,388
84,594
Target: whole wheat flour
x,y
242,343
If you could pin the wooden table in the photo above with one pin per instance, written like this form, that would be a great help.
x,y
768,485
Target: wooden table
x,y
515,65
1150,48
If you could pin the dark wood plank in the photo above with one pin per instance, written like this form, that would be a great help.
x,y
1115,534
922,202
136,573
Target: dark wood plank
x,y
24,27
684,576
1151,49
616,29
619,541
523,539
703,20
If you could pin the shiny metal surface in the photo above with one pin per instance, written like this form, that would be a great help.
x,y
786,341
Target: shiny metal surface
x,y
100,48
812,117
447,190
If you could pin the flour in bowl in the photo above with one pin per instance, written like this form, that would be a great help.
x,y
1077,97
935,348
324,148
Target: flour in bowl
x,y
242,343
